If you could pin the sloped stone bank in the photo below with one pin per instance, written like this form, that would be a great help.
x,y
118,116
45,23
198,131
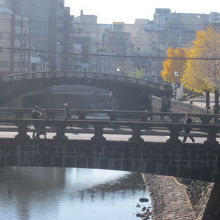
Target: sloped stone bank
x,y
199,195
169,198
205,199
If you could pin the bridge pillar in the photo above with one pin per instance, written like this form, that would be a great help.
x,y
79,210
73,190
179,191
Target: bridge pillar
x,y
112,116
136,135
211,137
60,132
165,104
81,115
174,134
22,132
98,136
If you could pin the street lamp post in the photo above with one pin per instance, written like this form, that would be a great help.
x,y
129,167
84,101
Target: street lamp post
x,y
176,75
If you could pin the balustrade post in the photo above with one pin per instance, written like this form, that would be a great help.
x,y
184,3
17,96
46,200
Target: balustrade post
x,y
22,131
136,135
51,114
81,115
145,117
19,113
211,136
205,119
174,134
174,118
60,132
112,116
98,135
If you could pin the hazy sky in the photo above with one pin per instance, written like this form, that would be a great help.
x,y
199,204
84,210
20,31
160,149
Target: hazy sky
x,y
127,10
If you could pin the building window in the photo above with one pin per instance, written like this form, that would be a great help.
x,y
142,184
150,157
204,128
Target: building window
x,y
4,64
33,67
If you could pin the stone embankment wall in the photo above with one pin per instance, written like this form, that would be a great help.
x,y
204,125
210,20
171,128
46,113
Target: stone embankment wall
x,y
199,195
169,198
212,211
183,199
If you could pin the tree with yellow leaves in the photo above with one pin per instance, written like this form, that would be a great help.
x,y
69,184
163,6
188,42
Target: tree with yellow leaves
x,y
175,63
202,69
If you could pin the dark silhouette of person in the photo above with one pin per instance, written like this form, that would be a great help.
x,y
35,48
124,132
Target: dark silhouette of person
x,y
42,124
35,115
188,120
67,111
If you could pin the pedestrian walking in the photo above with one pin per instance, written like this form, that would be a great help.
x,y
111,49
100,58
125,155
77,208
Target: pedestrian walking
x,y
67,112
35,115
188,120
42,124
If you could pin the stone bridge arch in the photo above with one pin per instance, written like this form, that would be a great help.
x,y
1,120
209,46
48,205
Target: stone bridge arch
x,y
131,92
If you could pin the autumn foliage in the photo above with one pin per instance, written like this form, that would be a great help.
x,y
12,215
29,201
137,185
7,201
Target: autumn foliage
x,y
200,71
174,64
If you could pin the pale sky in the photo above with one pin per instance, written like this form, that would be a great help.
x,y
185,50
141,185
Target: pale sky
x,y
127,10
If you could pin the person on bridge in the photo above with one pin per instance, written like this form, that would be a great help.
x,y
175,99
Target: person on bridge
x,y
42,125
67,111
35,115
188,120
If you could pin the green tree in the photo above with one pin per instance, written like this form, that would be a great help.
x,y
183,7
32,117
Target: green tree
x,y
138,73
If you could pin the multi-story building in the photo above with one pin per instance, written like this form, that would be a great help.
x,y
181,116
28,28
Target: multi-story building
x,y
150,39
38,63
85,41
14,41
47,23
68,40
113,45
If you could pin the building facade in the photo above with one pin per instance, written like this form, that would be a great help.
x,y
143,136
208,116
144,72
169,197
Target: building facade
x,y
47,25
14,41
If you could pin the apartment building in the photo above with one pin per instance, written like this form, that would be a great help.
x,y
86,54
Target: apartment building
x,y
14,41
48,28
151,38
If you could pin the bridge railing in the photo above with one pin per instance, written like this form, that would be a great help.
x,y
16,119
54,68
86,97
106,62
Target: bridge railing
x,y
186,107
209,130
112,115
113,77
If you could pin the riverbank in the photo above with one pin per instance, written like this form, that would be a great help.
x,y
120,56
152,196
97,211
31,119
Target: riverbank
x,y
169,198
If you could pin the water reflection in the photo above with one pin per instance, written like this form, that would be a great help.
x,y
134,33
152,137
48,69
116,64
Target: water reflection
x,y
58,193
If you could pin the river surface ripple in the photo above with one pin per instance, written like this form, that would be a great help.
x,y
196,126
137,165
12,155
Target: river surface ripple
x,y
69,194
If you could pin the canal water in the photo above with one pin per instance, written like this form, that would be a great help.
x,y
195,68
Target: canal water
x,y
70,194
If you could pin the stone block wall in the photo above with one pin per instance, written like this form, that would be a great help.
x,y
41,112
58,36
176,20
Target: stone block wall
x,y
183,199
169,198
199,195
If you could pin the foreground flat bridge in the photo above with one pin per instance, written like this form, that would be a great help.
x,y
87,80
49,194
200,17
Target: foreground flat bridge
x,y
196,161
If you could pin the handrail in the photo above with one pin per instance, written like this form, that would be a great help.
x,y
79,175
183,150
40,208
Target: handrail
x,y
99,125
110,115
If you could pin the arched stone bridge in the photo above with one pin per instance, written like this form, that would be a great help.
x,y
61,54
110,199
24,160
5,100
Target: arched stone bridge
x,y
131,91
139,154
